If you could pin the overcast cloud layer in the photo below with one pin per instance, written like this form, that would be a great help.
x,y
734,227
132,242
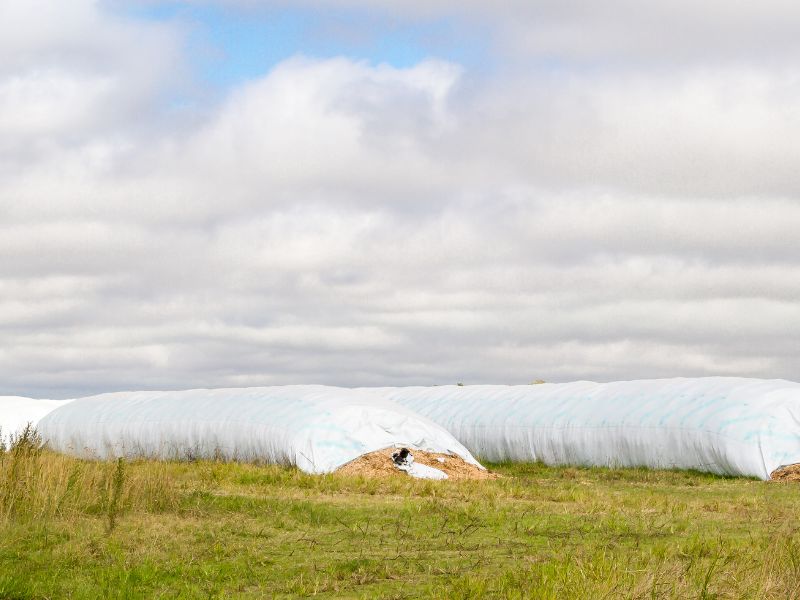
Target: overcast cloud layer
x,y
614,196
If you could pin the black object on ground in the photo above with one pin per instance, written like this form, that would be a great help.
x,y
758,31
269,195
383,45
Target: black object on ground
x,y
401,457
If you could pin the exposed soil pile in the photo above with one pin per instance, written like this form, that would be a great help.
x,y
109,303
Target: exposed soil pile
x,y
787,473
379,464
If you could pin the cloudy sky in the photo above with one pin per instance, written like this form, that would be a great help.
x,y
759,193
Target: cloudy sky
x,y
364,192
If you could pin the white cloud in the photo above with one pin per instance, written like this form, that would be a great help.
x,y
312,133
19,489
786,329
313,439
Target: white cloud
x,y
71,72
342,222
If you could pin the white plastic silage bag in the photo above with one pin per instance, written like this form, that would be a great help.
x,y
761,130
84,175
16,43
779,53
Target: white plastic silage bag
x,y
316,428
723,425
16,412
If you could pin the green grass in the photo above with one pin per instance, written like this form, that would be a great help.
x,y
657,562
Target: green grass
x,y
73,529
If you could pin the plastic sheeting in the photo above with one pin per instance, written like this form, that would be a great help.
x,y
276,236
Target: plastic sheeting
x,y
404,461
722,425
317,428
16,412
419,471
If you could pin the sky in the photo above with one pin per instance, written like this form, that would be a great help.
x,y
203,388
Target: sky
x,y
352,192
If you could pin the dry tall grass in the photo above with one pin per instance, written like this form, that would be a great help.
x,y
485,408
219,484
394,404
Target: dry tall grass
x,y
37,484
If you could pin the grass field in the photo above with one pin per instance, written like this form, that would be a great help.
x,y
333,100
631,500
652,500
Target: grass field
x,y
73,529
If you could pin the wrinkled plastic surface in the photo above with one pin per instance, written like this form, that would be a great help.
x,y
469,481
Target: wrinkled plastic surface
x,y
721,425
16,412
316,428
419,471
415,469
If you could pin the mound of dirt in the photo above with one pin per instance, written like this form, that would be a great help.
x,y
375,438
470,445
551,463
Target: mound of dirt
x,y
379,464
787,473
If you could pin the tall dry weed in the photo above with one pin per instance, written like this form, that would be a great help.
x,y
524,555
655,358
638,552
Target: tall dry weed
x,y
38,484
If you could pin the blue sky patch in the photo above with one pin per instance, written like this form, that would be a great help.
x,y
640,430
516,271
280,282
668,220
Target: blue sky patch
x,y
228,46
